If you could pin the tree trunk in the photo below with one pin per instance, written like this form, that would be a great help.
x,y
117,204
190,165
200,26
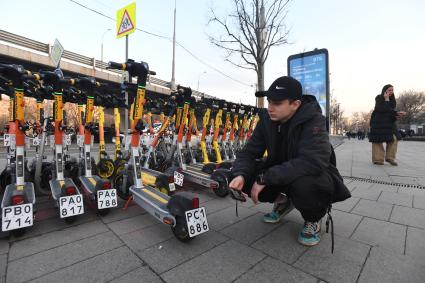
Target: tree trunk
x,y
260,84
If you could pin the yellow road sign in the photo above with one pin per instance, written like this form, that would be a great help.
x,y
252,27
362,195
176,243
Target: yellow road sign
x,y
126,20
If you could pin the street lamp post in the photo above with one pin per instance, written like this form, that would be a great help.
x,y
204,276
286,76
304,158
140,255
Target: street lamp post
x,y
101,46
173,65
204,72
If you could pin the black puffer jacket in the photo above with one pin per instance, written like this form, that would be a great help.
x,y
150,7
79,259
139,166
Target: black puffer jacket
x,y
383,120
309,150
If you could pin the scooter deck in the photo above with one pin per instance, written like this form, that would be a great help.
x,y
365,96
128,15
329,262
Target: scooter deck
x,y
195,175
149,176
89,183
151,172
28,189
153,201
199,166
56,187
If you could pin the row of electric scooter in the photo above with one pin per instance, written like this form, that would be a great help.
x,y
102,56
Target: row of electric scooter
x,y
150,169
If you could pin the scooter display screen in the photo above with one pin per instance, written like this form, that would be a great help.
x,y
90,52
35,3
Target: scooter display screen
x,y
137,164
20,167
88,161
59,161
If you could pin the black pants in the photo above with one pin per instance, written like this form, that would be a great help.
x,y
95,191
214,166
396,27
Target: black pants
x,y
311,195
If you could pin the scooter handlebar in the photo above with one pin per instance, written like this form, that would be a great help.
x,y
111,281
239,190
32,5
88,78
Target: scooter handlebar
x,y
67,81
29,76
115,65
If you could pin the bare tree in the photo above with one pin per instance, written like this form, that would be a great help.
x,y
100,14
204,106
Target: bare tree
x,y
360,121
30,109
336,115
4,113
250,31
365,121
413,103
71,111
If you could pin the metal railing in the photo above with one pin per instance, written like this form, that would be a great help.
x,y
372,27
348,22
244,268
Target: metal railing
x,y
72,56
23,41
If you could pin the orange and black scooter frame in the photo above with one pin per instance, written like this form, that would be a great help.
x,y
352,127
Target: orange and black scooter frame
x,y
64,191
19,196
191,172
233,129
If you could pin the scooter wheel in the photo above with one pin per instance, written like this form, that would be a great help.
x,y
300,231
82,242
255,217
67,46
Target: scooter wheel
x,y
105,168
18,232
180,230
118,184
46,175
164,191
222,189
119,164
5,179
70,220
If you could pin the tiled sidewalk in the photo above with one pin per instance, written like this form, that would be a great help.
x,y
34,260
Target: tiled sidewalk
x,y
379,237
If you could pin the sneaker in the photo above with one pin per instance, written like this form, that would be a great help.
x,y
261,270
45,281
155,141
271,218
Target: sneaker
x,y
392,162
378,163
279,210
310,234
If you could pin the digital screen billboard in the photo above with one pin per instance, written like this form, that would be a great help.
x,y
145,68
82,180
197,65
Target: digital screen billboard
x,y
311,69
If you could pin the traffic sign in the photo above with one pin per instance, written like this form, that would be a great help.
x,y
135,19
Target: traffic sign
x,y
56,53
126,20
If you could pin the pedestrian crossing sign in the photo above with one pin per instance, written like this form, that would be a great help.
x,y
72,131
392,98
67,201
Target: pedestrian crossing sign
x,y
126,20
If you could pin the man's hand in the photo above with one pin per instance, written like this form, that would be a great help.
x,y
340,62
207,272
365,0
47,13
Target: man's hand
x,y
255,191
237,183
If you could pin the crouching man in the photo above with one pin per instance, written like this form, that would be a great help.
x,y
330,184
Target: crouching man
x,y
299,169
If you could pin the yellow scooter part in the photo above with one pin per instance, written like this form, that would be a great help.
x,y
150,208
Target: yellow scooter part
x,y
105,168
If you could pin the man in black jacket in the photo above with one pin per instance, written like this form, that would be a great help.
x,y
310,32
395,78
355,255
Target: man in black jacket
x,y
299,169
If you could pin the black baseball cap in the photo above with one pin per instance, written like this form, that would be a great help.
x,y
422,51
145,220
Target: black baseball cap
x,y
283,88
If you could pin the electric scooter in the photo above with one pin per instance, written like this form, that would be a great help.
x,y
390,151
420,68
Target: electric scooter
x,y
99,191
162,181
186,172
179,210
19,196
64,191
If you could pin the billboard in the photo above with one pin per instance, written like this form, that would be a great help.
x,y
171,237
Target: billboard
x,y
311,69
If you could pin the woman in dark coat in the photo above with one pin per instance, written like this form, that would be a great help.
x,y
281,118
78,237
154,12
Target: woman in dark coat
x,y
383,127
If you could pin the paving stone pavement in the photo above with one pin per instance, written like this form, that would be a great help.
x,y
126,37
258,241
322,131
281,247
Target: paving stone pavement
x,y
379,236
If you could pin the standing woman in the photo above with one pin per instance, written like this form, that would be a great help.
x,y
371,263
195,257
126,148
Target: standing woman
x,y
383,127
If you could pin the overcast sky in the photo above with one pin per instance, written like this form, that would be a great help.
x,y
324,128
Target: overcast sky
x,y
370,42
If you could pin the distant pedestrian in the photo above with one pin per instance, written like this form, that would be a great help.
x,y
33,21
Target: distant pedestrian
x,y
383,127
349,135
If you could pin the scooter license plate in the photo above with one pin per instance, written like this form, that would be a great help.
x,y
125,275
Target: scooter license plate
x,y
36,141
106,198
16,217
197,221
80,140
9,140
71,205
172,187
178,178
